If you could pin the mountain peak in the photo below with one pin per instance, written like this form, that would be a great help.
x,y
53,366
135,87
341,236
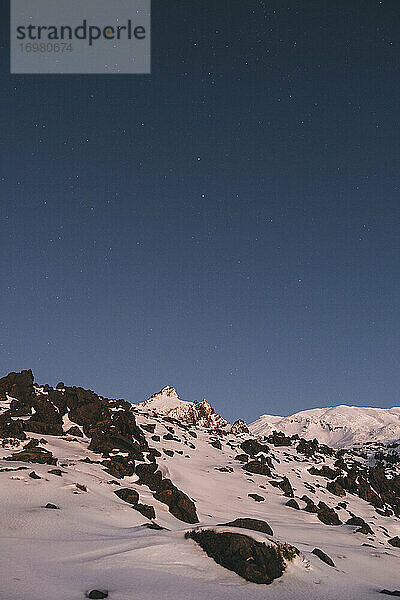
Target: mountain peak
x,y
168,402
168,390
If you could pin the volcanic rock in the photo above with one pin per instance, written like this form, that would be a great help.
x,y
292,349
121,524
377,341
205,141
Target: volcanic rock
x,y
253,524
252,560
128,495
324,557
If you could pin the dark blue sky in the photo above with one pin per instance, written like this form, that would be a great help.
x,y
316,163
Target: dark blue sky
x,y
228,225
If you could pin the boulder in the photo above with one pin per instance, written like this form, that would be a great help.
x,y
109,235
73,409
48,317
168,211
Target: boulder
x,y
242,457
97,594
325,471
20,387
335,488
253,524
256,497
363,527
324,557
217,444
293,504
252,560
119,466
128,495
279,439
395,541
11,428
327,515
179,504
310,505
146,510
253,447
258,467
75,430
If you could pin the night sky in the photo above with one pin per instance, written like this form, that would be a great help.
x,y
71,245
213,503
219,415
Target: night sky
x,y
228,225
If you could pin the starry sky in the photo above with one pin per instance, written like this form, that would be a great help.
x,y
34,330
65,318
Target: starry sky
x,y
228,225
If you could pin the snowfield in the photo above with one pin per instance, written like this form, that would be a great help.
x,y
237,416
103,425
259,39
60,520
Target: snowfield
x,y
337,426
95,540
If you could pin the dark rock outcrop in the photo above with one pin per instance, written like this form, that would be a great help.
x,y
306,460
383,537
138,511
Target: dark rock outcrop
x,y
307,447
258,467
75,431
179,504
253,447
128,495
279,439
11,428
252,560
253,524
335,488
325,471
34,455
239,427
18,386
324,557
286,487
146,510
256,497
327,515
217,444
395,541
310,507
293,504
97,594
46,419
362,525
120,466
242,457
57,472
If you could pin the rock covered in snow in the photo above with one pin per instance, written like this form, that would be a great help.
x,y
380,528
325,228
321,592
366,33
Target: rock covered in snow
x,y
239,427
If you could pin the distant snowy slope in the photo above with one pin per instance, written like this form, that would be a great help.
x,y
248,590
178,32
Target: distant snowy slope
x,y
337,426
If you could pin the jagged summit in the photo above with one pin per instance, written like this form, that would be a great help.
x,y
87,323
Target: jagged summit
x,y
338,426
164,400
168,402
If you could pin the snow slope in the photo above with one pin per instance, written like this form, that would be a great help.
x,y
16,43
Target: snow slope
x,y
337,426
95,540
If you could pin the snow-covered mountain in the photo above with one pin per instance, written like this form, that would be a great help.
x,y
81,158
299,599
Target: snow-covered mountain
x,y
337,426
103,499
167,402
